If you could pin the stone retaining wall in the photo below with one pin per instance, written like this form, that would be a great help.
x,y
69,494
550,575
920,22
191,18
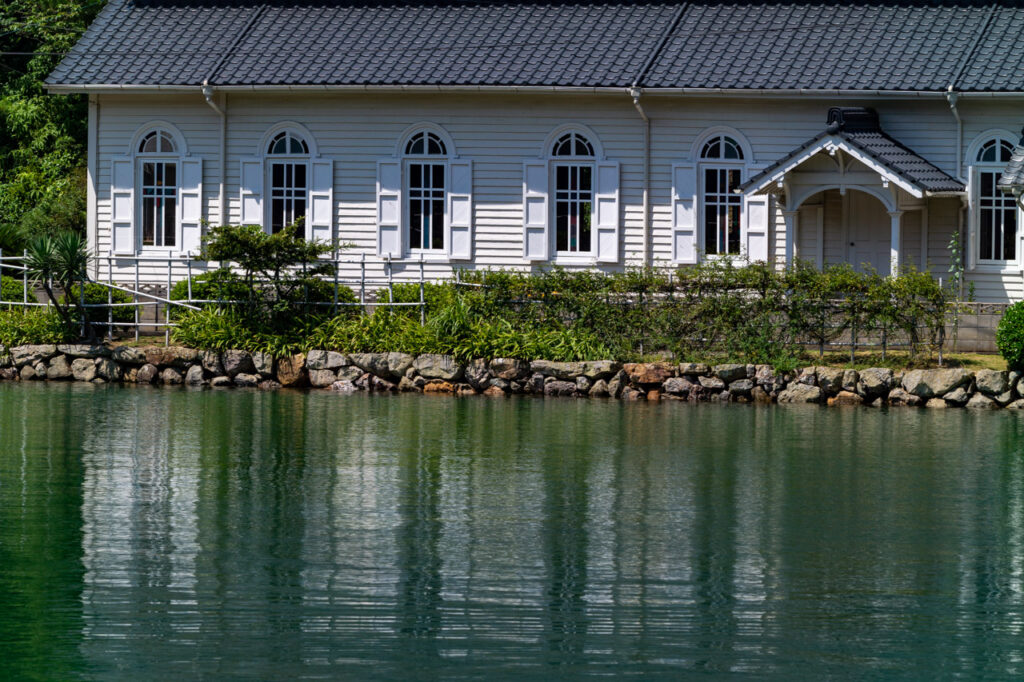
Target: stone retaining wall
x,y
392,372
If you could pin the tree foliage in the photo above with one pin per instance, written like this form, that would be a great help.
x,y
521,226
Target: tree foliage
x,y
43,139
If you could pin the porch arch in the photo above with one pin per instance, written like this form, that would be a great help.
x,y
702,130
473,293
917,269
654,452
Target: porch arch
x,y
800,194
856,226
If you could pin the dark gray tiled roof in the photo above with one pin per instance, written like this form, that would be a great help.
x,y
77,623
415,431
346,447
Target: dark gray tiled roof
x,y
896,45
886,151
819,46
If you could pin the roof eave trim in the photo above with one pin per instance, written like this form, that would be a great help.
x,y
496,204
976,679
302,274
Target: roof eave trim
x,y
65,88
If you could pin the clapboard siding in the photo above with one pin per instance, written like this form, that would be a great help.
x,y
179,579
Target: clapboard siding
x,y
499,132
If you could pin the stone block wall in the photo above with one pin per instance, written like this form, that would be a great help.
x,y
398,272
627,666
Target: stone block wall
x,y
428,373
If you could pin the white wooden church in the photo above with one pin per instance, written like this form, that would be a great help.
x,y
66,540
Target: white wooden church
x,y
490,134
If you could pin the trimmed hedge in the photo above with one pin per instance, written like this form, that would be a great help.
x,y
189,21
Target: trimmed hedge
x,y
1010,336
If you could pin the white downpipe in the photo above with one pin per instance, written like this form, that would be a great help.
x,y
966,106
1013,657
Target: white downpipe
x,y
952,96
207,90
645,252
92,170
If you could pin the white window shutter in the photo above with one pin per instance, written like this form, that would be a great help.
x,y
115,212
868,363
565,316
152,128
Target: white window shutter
x,y
389,208
757,215
190,204
536,217
684,213
320,219
606,209
969,254
460,210
122,206
251,184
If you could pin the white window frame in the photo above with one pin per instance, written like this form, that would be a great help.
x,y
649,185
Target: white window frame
x,y
138,159
588,257
703,164
426,158
976,168
269,160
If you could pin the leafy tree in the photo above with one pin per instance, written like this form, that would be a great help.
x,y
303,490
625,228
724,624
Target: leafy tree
x,y
43,136
276,269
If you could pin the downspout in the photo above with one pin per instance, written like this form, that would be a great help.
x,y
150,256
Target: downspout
x,y
207,91
92,178
952,96
635,93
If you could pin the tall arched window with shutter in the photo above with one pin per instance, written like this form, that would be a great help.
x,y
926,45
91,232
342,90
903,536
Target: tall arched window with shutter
x,y
287,179
995,213
426,187
573,168
425,197
156,194
158,162
720,174
571,200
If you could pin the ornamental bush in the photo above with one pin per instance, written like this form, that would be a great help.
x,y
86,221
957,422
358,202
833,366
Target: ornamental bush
x,y
98,294
12,289
1010,336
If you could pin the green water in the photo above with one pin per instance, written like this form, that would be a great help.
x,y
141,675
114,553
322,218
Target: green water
x,y
151,534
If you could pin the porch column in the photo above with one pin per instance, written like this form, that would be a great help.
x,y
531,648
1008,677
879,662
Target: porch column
x,y
894,246
791,227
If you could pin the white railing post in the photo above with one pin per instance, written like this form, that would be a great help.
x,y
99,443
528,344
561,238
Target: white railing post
x,y
167,308
24,277
336,265
362,279
135,296
188,265
423,303
81,301
391,290
110,298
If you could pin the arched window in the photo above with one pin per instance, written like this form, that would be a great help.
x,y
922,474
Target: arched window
x,y
574,194
288,178
157,168
995,211
157,142
721,172
426,173
572,144
425,143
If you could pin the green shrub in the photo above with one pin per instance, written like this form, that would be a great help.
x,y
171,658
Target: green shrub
x,y
20,326
12,289
1010,336
98,294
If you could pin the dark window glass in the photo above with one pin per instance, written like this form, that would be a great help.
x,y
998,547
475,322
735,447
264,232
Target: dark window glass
x,y
426,204
159,203
572,144
573,208
997,220
287,194
721,210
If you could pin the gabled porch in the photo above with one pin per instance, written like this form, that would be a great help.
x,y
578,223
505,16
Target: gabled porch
x,y
853,194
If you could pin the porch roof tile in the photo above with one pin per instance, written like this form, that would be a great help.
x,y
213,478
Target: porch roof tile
x,y
884,150
1013,175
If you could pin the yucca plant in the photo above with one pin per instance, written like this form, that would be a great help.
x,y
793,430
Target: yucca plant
x,y
61,259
